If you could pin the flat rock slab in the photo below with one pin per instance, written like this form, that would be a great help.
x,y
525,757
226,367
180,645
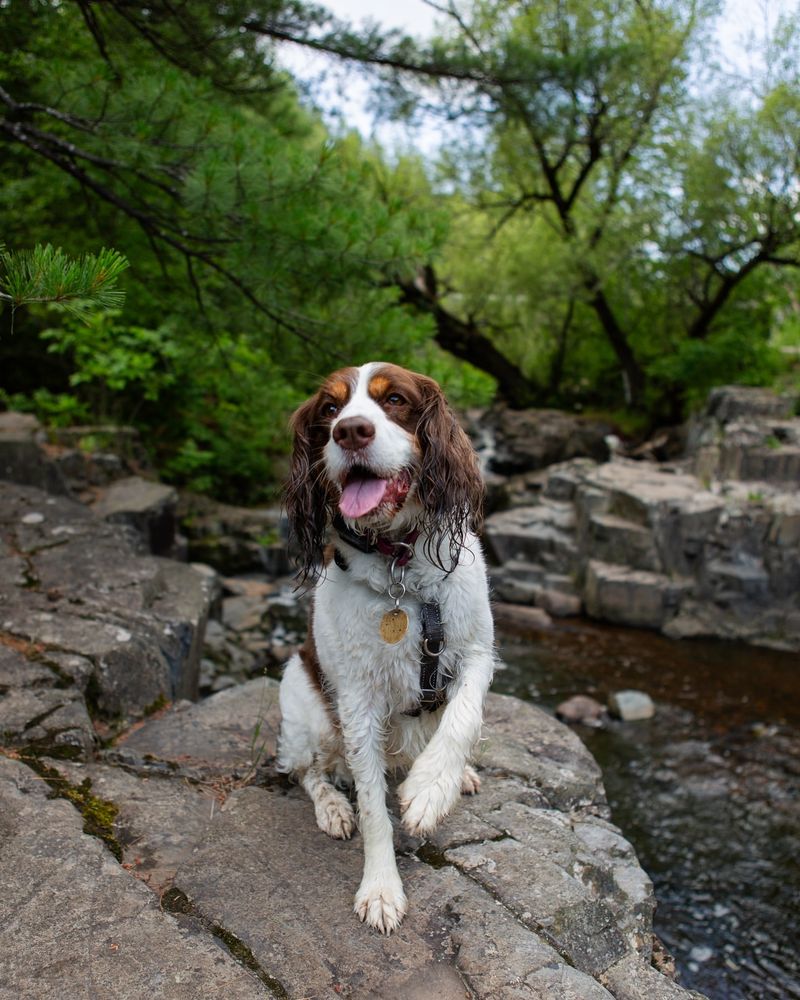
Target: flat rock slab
x,y
74,924
525,891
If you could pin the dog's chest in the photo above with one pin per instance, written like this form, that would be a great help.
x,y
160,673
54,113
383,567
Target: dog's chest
x,y
352,650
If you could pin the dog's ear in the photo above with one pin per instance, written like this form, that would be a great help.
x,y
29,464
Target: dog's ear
x,y
450,486
305,495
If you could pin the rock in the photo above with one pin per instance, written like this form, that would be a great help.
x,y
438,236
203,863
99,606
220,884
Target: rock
x,y
633,979
518,618
733,402
145,506
87,617
73,923
23,458
631,597
640,544
525,891
234,539
229,733
542,535
243,613
525,440
614,539
631,706
580,708
241,586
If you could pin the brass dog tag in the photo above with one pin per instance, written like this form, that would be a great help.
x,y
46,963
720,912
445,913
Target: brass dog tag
x,y
394,625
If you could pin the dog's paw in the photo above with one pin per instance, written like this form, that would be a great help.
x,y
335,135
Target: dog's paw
x,y
381,905
425,802
335,815
470,782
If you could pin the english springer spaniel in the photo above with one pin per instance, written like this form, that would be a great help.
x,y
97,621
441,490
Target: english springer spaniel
x,y
383,498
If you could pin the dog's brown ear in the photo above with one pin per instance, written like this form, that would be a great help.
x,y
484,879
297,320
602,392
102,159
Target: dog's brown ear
x,y
305,496
450,486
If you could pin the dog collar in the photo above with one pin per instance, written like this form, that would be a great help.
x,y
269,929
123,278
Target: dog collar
x,y
401,550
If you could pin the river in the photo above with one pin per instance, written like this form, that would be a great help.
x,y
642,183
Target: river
x,y
707,791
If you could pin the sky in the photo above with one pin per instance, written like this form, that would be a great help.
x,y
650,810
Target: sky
x,y
740,21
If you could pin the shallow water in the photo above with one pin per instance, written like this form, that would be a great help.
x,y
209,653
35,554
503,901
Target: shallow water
x,y
708,791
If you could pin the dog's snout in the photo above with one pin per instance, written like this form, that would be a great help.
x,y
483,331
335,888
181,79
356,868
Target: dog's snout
x,y
354,433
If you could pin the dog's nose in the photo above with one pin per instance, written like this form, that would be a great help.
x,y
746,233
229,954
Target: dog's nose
x,y
353,433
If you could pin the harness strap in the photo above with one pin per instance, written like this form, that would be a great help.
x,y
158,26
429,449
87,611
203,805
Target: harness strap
x,y
433,694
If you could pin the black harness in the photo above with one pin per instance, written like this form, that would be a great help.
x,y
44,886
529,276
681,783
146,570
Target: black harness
x,y
433,689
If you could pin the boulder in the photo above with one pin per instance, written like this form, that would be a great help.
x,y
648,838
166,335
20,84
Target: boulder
x,y
580,708
143,505
80,608
526,890
727,403
525,440
23,458
234,539
629,596
75,923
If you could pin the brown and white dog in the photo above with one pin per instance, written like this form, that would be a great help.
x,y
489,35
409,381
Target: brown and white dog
x,y
400,653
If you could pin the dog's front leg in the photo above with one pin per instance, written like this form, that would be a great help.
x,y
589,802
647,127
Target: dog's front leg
x,y
434,782
380,900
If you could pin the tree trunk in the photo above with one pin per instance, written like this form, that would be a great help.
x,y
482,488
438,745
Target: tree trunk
x,y
632,372
464,340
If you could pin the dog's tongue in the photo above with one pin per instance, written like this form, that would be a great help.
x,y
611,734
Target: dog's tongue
x,y
361,496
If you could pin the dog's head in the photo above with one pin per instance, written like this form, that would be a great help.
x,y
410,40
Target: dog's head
x,y
380,445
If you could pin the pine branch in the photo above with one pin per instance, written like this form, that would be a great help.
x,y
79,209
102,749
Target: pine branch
x,y
46,274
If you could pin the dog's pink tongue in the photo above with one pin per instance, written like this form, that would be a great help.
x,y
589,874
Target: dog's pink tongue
x,y
361,496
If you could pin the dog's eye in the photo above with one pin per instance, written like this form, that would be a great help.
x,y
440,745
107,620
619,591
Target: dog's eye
x,y
395,399
329,409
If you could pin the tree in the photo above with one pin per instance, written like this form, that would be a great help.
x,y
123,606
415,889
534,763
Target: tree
x,y
167,116
644,211
258,240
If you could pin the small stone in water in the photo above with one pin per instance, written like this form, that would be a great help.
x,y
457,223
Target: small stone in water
x,y
630,706
33,518
581,708
701,953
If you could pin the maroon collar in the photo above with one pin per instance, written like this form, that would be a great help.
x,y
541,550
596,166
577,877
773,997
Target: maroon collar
x,y
402,550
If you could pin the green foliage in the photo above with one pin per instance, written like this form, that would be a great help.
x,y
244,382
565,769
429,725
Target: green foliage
x,y
620,239
46,274
731,356
213,420
56,409
115,362
261,244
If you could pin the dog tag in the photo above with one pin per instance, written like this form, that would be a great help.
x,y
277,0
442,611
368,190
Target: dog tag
x,y
394,625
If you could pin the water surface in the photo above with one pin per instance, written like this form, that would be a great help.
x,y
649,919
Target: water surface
x,y
708,791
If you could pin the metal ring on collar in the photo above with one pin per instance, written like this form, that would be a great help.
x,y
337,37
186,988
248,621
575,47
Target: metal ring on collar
x,y
396,590
429,652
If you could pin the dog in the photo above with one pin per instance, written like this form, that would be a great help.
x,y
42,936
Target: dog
x,y
384,498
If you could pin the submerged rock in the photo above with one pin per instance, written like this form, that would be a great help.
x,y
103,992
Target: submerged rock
x,y
580,708
631,706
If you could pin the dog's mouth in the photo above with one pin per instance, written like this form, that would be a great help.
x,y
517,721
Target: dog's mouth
x,y
364,492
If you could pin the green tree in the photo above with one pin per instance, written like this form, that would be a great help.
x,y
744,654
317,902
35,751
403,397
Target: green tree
x,y
612,214
259,241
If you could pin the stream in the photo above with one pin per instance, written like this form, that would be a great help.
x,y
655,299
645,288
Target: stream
x,y
707,790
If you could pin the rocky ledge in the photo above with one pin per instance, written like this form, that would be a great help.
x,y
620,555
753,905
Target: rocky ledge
x,y
167,858
705,546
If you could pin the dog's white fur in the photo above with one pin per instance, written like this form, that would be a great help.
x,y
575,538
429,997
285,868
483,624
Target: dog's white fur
x,y
372,683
